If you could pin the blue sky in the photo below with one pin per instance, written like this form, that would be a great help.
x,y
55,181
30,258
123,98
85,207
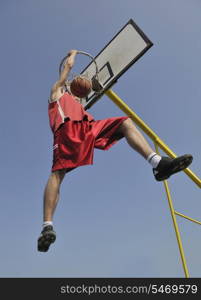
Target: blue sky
x,y
113,218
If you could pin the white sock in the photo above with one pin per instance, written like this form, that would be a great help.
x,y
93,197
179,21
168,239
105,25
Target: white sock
x,y
47,223
154,159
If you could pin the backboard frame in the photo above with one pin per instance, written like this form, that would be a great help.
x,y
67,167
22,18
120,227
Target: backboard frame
x,y
89,101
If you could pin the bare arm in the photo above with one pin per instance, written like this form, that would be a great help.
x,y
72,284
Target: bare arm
x,y
67,68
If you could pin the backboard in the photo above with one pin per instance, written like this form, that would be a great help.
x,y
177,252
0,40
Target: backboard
x,y
127,46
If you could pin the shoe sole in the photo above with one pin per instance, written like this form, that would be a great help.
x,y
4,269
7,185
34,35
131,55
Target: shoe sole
x,y
46,239
179,164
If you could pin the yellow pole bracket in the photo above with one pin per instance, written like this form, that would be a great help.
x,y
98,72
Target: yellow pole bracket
x,y
188,218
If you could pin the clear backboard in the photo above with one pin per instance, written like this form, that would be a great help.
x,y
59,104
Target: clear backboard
x,y
127,46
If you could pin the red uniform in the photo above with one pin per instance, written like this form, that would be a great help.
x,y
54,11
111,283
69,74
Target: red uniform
x,y
76,133
66,107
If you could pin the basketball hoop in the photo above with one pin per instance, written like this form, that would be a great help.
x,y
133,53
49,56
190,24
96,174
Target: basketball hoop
x,y
96,85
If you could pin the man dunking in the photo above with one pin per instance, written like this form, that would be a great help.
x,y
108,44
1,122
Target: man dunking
x,y
76,134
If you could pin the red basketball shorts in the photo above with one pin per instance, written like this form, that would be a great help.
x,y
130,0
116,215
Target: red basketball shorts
x,y
74,141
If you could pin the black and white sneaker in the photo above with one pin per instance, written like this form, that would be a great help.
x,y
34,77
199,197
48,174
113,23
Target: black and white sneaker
x,y
168,166
47,237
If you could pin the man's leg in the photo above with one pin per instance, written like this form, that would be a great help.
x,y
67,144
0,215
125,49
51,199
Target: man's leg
x,y
134,138
163,167
51,198
51,194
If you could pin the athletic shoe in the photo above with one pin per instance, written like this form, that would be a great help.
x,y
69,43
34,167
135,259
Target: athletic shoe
x,y
168,166
47,237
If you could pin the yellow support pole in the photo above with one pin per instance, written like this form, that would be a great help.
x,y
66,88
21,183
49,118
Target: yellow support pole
x,y
158,142
128,111
176,228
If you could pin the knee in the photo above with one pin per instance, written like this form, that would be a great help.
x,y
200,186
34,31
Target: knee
x,y
58,176
126,125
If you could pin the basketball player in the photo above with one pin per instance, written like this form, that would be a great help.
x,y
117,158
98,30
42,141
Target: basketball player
x,y
76,134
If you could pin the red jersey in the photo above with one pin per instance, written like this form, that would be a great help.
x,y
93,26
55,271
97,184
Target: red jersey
x,y
66,107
